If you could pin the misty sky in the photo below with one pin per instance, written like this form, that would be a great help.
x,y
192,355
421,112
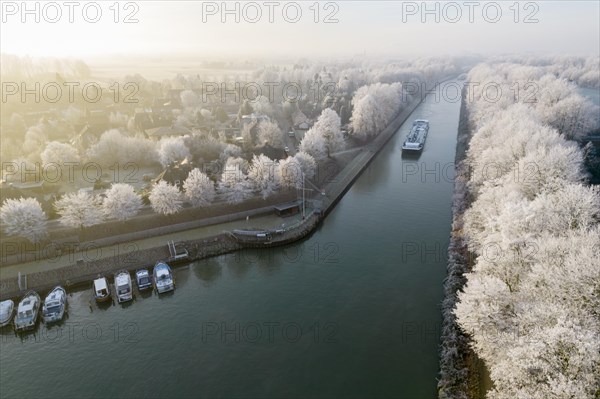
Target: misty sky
x,y
370,28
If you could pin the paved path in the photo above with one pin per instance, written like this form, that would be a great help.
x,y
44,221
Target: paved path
x,y
93,252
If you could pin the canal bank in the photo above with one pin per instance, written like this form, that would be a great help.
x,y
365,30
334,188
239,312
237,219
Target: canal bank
x,y
462,374
82,270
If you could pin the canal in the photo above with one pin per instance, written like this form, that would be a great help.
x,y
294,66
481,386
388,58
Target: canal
x,y
351,312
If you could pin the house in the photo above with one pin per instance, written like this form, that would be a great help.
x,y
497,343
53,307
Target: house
x,y
175,174
253,119
85,138
166,131
301,121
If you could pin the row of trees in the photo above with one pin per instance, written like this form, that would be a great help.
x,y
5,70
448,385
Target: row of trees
x,y
531,301
239,181
554,101
585,71
375,106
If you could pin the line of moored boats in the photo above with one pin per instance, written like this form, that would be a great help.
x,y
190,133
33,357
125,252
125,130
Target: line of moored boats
x,y
55,304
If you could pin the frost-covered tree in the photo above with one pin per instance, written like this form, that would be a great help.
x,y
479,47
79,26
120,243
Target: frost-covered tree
x,y
204,146
234,186
79,209
290,171
121,202
230,151
539,337
328,125
325,136
115,147
165,198
199,189
307,164
24,217
262,105
35,141
365,117
269,133
314,144
529,304
172,149
374,107
59,153
189,98
263,174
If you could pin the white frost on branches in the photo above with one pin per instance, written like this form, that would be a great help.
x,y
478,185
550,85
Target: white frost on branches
x,y
314,144
531,301
199,189
80,209
172,149
325,136
269,133
375,106
165,198
263,173
307,163
121,202
24,217
115,147
59,153
234,186
290,171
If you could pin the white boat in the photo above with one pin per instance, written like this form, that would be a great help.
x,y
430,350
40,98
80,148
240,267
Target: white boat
x,y
102,290
143,279
55,305
28,311
163,278
7,309
123,286
415,141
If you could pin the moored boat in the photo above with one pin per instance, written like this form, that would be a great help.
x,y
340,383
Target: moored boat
x,y
143,279
7,309
102,290
123,286
415,141
27,312
163,278
55,305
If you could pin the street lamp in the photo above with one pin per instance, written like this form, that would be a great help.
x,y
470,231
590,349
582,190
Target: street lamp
x,y
303,194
